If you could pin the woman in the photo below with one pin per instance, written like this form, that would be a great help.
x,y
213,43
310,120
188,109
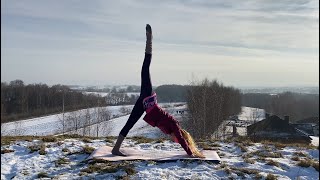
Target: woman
x,y
155,116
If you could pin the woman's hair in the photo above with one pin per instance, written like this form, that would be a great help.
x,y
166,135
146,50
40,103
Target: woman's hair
x,y
192,144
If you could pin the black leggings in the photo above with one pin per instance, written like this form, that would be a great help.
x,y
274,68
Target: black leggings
x,y
145,91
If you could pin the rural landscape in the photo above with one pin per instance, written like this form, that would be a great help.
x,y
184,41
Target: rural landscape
x,y
57,146
160,90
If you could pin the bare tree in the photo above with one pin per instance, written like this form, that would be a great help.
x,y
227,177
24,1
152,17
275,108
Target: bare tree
x,y
103,116
209,104
125,110
255,115
86,123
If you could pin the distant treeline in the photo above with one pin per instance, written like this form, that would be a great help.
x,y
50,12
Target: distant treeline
x,y
19,101
172,93
296,105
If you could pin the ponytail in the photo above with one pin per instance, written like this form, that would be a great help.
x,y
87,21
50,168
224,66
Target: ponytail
x,y
192,144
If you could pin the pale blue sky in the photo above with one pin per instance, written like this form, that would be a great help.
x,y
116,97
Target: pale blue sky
x,y
98,42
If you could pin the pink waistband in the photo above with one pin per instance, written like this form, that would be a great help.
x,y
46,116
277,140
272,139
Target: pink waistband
x,y
150,102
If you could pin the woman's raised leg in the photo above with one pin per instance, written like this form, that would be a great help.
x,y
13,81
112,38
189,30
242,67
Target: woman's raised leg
x,y
146,89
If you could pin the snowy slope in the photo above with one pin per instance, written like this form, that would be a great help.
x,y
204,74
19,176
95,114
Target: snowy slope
x,y
237,162
21,164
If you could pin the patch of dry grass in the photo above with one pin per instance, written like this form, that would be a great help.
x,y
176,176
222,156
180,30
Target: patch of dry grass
x,y
247,160
308,162
241,171
271,162
242,147
295,158
221,154
4,151
265,154
49,139
161,140
108,167
62,161
300,154
87,149
281,145
7,140
315,165
42,150
271,177
86,140
43,175
141,139
38,147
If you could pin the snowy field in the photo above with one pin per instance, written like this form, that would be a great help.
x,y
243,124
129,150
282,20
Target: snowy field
x,y
65,158
52,125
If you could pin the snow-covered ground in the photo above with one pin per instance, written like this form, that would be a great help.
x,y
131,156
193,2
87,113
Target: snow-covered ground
x,y
65,158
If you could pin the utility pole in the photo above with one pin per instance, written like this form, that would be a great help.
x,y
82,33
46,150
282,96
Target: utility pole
x,y
63,125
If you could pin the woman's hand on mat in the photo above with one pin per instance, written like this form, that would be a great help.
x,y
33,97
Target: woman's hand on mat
x,y
117,152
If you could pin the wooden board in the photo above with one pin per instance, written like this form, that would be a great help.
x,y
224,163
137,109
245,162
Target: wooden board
x,y
104,153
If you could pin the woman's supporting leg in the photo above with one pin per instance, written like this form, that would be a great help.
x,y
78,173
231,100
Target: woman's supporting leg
x,y
146,89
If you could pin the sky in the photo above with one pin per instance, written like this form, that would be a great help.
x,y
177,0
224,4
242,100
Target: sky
x,y
266,43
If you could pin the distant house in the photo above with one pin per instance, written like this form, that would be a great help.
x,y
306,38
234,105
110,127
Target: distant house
x,y
275,128
309,125
307,128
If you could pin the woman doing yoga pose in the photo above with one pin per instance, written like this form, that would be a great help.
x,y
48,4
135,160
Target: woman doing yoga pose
x,y
155,116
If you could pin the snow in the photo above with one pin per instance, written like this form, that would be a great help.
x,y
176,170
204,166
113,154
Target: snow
x,y
251,114
21,164
315,140
103,94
